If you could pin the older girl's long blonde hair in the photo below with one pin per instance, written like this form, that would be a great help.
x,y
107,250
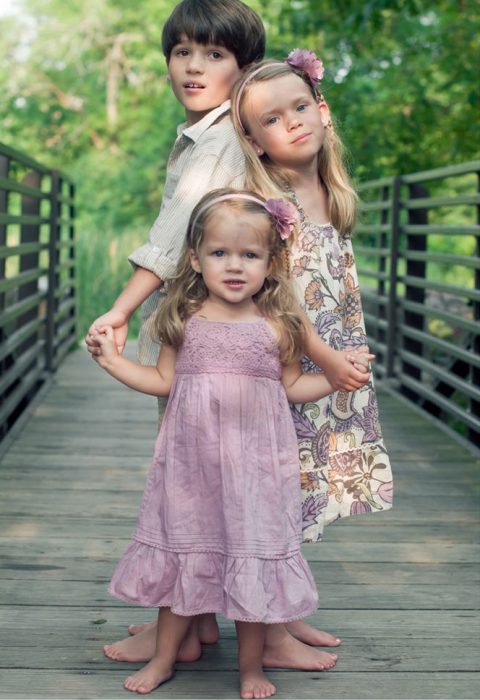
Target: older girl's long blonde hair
x,y
262,175
187,291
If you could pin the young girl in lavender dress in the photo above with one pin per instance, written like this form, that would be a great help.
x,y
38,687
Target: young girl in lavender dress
x,y
219,529
291,148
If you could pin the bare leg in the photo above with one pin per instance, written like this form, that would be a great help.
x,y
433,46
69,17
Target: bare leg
x,y
141,647
208,632
282,650
310,635
171,630
253,682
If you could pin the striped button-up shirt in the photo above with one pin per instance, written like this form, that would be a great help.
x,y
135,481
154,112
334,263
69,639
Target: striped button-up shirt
x,y
206,155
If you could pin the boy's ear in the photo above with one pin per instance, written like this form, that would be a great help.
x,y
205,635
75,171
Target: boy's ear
x,y
194,262
325,112
258,149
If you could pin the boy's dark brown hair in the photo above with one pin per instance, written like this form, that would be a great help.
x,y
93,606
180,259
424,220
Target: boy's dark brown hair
x,y
228,23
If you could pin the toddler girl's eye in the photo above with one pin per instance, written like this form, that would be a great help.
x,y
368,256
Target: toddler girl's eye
x,y
217,253
250,255
302,107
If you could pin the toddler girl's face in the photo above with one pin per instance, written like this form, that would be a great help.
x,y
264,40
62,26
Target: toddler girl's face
x,y
234,256
284,120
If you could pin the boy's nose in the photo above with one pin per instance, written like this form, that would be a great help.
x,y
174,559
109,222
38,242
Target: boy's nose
x,y
195,64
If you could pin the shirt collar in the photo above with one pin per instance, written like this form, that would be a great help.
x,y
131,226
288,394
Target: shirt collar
x,y
197,130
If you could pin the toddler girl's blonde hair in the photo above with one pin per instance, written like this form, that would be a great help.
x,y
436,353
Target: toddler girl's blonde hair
x,y
187,291
262,175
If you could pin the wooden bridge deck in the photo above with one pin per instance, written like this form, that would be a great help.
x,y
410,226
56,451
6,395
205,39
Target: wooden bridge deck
x,y
400,588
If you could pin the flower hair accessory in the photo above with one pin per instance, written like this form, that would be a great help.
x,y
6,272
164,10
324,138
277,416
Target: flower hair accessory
x,y
284,214
308,62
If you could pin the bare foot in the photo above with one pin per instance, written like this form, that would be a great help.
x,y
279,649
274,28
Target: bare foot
x,y
141,647
255,684
310,635
292,653
135,629
149,677
207,629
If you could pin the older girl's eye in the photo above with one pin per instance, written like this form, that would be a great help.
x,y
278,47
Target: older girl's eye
x,y
302,107
250,255
217,253
271,120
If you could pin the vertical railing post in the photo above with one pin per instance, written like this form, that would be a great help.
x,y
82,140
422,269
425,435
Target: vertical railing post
x,y
72,250
475,405
29,233
382,308
415,268
393,278
53,257
4,169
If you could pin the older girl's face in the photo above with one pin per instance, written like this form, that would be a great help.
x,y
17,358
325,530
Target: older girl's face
x,y
284,120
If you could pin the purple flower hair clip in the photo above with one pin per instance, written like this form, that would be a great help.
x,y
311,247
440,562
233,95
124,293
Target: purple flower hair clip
x,y
285,215
308,62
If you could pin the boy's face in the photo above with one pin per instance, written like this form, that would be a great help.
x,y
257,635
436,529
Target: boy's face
x,y
202,76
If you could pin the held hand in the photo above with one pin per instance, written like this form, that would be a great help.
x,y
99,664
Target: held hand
x,y
118,321
360,359
105,345
342,374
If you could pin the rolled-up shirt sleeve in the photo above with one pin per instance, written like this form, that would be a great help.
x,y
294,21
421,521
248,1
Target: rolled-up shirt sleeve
x,y
205,171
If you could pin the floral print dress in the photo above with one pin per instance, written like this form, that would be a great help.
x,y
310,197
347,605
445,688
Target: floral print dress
x,y
345,469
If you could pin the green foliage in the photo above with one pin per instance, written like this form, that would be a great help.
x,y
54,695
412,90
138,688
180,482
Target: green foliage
x,y
83,89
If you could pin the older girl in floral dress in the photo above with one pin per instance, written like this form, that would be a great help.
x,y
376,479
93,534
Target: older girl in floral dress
x,y
291,146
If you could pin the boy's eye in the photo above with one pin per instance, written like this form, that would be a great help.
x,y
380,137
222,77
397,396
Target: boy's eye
x,y
181,52
216,55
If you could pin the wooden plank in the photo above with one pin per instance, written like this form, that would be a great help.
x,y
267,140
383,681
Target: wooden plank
x,y
430,596
107,684
348,529
110,549
355,655
78,568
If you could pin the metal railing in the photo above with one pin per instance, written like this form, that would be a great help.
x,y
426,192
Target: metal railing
x,y
37,278
418,257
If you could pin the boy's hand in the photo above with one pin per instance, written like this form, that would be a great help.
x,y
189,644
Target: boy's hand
x,y
105,345
360,359
342,373
118,321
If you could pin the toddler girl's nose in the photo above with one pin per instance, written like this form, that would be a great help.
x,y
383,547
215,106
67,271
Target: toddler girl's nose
x,y
234,262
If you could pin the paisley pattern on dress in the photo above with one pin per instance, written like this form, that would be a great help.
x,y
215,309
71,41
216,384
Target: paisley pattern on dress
x,y
345,469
